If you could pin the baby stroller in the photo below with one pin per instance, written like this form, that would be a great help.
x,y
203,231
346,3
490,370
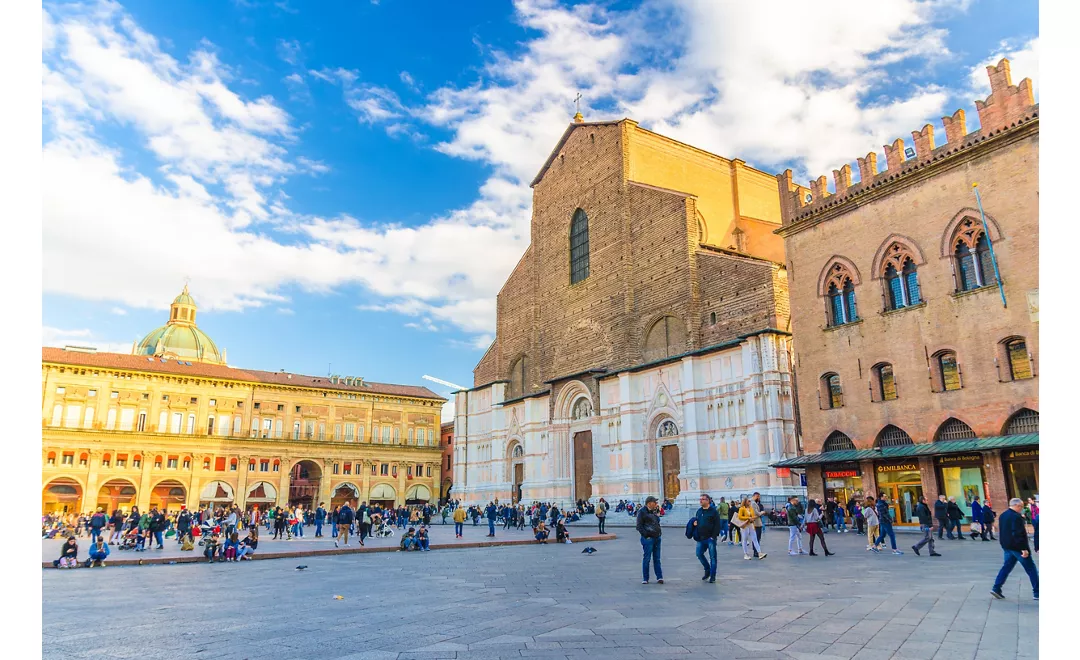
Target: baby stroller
x,y
206,529
383,531
127,542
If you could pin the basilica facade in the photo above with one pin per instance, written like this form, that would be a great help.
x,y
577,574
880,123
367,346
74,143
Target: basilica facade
x,y
643,340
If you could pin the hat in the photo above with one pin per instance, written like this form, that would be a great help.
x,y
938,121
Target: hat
x,y
650,498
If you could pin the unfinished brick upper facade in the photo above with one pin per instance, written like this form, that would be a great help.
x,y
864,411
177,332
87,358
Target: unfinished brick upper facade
x,y
917,214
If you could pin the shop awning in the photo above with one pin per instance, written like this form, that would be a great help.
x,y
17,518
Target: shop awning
x,y
921,449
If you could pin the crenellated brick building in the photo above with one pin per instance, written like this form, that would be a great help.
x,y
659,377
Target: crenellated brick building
x,y
914,376
642,339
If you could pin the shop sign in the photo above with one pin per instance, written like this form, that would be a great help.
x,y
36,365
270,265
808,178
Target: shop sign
x,y
1022,453
841,474
960,459
899,467
835,484
802,479
783,473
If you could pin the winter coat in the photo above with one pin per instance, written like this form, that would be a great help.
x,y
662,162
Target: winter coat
x,y
648,523
941,510
955,512
708,524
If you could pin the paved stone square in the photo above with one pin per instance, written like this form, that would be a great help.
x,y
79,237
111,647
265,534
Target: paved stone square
x,y
553,602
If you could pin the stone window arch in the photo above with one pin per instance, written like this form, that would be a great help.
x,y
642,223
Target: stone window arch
x,y
830,391
945,372
517,377
1013,360
579,247
837,286
838,441
1023,421
665,338
954,429
893,436
897,266
882,382
967,246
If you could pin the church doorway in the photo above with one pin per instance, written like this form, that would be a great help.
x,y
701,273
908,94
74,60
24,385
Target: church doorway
x,y
304,484
519,478
669,459
583,465
517,471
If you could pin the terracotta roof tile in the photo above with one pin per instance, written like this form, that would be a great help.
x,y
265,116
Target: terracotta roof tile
x,y
157,365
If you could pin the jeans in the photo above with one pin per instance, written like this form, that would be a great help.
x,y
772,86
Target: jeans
x,y
491,527
794,543
318,528
841,522
944,525
333,530
723,528
710,566
95,533
650,548
1011,558
886,529
928,537
459,528
159,539
1035,524
600,524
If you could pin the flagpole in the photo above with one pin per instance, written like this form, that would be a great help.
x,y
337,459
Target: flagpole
x,y
990,244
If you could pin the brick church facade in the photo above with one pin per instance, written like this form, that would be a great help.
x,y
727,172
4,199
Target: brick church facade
x,y
915,377
643,340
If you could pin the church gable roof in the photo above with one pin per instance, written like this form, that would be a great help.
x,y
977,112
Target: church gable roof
x,y
562,141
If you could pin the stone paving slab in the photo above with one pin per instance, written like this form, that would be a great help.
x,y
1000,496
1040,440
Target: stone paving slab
x,y
550,601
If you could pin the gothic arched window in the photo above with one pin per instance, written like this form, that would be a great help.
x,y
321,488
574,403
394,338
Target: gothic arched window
x,y
893,436
666,337
840,294
579,247
838,441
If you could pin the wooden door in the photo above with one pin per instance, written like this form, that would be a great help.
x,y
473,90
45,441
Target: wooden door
x,y
519,478
669,457
583,466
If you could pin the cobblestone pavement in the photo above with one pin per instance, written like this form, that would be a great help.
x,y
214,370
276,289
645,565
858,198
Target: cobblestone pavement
x,y
551,602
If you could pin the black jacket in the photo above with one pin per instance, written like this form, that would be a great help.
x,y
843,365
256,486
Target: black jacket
x,y
1012,534
941,510
157,523
708,524
183,521
923,512
955,512
345,515
648,523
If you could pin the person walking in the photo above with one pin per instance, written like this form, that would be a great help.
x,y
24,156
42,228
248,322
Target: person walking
x,y
492,513
97,523
459,521
183,525
941,514
956,517
601,515
926,525
345,520
1014,543
722,508
976,517
706,529
885,524
117,526
320,518
759,514
156,525
794,511
870,513
814,519
988,517
746,518
648,526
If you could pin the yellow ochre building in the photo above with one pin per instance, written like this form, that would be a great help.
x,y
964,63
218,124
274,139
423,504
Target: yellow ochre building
x,y
172,424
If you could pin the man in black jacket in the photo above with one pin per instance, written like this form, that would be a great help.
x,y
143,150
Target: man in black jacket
x,y
157,527
1014,541
926,525
648,525
706,529
941,513
183,525
345,520
956,516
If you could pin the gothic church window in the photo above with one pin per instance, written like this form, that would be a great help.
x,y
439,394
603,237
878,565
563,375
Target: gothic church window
x,y
901,278
841,296
579,247
893,436
667,337
954,429
971,255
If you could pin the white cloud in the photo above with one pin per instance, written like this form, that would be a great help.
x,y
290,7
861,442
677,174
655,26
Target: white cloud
x,y
1023,63
59,338
288,51
119,311
286,311
424,325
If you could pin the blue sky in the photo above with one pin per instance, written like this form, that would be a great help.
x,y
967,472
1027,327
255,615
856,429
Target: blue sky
x,y
347,182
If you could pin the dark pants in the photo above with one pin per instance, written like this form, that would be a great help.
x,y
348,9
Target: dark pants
x,y
944,524
988,530
1011,559
709,566
758,530
1035,524
459,528
159,539
650,548
318,527
491,527
886,529
600,523
365,531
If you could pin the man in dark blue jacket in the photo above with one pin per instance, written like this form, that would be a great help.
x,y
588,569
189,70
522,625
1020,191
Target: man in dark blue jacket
x,y
492,513
344,522
320,518
706,529
1014,541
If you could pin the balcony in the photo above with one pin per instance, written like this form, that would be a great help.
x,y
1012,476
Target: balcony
x,y
98,434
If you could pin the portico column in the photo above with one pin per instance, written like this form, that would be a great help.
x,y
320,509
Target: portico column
x,y
92,481
365,482
143,497
324,483
283,483
194,485
240,498
401,467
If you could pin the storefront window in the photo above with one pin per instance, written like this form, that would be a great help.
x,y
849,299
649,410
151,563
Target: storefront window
x,y
962,477
1023,479
902,485
843,482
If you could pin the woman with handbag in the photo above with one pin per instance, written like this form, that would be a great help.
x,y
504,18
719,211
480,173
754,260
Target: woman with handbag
x,y
745,522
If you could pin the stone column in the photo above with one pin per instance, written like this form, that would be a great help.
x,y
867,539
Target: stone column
x,y
436,481
994,473
325,489
869,479
815,486
240,497
365,485
401,467
143,496
91,493
283,483
691,473
929,481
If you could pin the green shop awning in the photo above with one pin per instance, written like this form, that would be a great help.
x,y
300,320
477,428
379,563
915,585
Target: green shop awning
x,y
921,449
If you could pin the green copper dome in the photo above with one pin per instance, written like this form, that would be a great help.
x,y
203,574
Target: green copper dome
x,y
180,339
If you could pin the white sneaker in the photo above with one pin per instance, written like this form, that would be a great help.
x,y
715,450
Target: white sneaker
x,y
336,545
802,552
746,557
793,553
